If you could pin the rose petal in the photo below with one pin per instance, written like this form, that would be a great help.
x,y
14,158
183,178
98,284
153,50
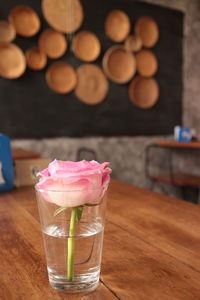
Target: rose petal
x,y
44,172
106,176
68,183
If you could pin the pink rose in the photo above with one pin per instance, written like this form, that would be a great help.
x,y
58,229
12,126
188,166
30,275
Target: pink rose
x,y
70,184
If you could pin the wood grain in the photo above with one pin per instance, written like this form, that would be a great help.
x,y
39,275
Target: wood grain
x,y
151,248
170,224
23,266
167,223
25,196
134,269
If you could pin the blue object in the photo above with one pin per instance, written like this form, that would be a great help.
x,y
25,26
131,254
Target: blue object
x,y
182,134
6,165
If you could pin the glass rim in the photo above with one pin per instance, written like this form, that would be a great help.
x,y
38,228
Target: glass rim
x,y
104,188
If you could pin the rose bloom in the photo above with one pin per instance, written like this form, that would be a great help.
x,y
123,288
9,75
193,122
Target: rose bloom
x,y
71,184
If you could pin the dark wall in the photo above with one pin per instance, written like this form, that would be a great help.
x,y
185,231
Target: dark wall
x,y
28,108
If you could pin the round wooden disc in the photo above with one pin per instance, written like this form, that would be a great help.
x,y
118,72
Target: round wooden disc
x,y
25,20
148,31
36,59
63,15
144,92
7,32
12,61
53,43
117,25
61,77
147,64
133,43
92,86
86,46
119,64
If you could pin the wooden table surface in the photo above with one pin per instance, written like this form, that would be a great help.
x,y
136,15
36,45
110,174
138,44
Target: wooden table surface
x,y
151,248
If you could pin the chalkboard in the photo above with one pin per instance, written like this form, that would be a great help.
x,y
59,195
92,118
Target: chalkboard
x,y
29,109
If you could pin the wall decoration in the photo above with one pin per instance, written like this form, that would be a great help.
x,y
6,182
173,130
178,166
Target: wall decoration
x,y
12,62
53,43
86,46
147,64
133,43
61,77
57,94
117,25
92,86
119,64
144,92
36,59
63,15
148,31
7,32
25,20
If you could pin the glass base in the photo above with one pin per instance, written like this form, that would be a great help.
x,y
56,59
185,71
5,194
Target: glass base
x,y
80,284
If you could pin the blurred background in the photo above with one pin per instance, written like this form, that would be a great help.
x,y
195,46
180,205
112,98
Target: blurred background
x,y
105,87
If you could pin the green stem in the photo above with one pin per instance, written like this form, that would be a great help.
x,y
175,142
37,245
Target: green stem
x,y
70,254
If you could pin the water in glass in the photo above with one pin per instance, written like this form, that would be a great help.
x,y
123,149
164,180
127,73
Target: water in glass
x,y
87,256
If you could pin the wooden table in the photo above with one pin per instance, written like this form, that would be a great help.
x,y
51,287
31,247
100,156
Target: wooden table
x,y
151,248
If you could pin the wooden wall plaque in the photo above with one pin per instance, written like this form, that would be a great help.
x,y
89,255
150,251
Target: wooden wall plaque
x,y
29,109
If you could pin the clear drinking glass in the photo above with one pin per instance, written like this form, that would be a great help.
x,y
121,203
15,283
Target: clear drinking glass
x,y
84,246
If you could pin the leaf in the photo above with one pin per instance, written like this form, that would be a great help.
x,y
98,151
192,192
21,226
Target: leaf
x,y
79,211
59,210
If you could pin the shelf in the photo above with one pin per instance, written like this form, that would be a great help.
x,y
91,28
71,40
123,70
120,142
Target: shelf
x,y
179,179
175,144
19,153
